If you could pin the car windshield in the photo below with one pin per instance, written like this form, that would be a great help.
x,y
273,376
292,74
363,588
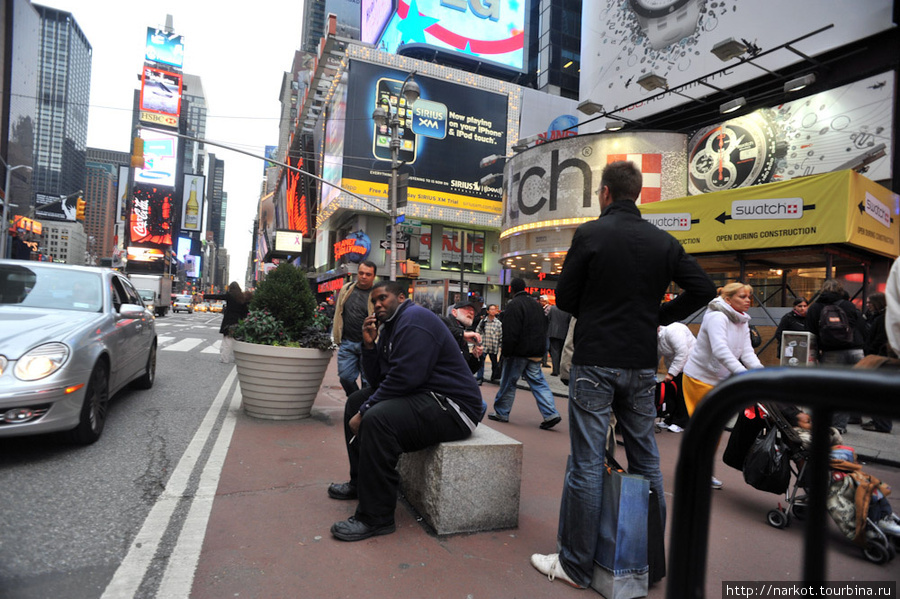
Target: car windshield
x,y
36,286
146,294
183,299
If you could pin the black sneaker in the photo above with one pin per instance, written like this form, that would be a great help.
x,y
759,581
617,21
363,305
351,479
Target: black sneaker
x,y
354,530
496,418
342,491
551,422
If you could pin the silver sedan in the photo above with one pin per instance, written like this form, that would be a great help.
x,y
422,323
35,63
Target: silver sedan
x,y
71,337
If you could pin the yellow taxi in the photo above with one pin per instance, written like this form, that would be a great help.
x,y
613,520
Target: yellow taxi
x,y
216,307
201,307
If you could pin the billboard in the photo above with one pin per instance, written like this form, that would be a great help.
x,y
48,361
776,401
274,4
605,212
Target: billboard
x,y
160,97
484,32
152,216
192,202
164,47
160,158
55,208
623,40
443,135
810,136
191,261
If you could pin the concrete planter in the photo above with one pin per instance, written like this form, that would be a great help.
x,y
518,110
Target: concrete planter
x,y
279,383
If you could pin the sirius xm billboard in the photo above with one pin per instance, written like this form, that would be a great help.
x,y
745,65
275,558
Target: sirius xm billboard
x,y
491,31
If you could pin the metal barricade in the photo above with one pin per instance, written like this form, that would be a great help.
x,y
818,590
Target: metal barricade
x,y
824,391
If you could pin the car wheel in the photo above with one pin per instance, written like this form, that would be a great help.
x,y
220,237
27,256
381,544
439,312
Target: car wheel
x,y
93,410
146,381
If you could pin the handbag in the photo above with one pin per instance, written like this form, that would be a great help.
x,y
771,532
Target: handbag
x,y
767,466
746,428
621,565
666,391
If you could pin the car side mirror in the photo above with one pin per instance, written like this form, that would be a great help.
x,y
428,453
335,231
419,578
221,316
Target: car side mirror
x,y
131,310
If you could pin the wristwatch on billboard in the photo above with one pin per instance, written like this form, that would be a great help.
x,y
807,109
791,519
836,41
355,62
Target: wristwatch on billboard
x,y
737,153
666,21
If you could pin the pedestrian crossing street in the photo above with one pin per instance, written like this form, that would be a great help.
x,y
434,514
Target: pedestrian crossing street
x,y
175,342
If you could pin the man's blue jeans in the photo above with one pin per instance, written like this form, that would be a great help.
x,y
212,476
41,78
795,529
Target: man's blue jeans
x,y
513,367
349,363
594,392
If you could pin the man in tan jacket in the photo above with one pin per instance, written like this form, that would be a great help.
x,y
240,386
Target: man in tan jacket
x,y
353,306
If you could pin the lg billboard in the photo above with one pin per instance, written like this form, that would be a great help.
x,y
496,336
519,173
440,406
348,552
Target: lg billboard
x,y
491,31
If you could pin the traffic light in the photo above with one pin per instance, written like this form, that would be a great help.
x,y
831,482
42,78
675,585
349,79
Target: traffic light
x,y
137,153
79,209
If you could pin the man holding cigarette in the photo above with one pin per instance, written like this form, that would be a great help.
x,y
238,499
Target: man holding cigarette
x,y
422,393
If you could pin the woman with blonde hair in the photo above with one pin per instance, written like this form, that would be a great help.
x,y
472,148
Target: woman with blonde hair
x,y
723,346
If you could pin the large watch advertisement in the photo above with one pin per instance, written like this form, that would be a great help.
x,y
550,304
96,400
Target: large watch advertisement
x,y
810,136
443,137
623,40
491,32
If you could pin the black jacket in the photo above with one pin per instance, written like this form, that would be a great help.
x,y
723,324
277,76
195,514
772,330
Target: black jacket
x,y
613,282
524,328
789,322
857,323
876,337
236,308
415,353
459,335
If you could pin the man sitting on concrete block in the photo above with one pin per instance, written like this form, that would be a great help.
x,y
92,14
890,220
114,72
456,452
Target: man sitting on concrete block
x,y
422,394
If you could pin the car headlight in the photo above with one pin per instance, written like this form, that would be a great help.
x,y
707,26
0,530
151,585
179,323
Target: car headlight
x,y
3,363
42,361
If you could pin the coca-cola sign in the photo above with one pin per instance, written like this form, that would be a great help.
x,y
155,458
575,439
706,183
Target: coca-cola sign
x,y
152,215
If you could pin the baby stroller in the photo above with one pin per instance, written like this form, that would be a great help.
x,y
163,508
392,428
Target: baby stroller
x,y
877,546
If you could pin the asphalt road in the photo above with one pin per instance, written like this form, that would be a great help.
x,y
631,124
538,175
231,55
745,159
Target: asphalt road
x,y
70,513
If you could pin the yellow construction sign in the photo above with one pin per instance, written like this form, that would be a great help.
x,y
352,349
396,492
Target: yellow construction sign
x,y
841,207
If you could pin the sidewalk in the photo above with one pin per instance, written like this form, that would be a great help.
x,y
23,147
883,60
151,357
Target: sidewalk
x,y
268,533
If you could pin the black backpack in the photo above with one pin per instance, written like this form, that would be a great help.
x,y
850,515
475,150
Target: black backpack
x,y
834,327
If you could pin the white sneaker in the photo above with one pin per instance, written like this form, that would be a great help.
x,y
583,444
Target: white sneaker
x,y
661,425
716,483
675,428
887,525
550,566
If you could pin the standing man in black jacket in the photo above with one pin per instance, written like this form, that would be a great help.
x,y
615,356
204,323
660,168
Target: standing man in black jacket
x,y
524,344
613,282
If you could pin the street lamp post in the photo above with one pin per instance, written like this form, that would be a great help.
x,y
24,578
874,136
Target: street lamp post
x,y
4,234
387,115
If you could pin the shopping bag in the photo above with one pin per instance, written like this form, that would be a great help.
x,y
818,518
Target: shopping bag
x,y
767,466
656,540
621,565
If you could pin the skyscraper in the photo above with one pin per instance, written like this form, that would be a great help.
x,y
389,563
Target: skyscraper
x,y
100,196
215,196
193,111
63,96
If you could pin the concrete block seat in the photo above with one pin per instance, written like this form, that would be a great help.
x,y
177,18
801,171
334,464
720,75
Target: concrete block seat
x,y
466,486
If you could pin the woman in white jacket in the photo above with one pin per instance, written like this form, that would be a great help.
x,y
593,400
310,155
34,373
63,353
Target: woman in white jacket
x,y
723,346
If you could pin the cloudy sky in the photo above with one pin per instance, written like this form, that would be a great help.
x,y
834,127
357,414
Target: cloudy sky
x,y
239,50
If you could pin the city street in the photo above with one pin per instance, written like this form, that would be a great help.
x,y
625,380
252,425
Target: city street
x,y
185,496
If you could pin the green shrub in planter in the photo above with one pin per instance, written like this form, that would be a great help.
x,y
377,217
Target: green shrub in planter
x,y
283,312
286,295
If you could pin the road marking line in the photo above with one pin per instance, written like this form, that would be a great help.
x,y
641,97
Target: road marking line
x,y
163,339
127,579
184,345
213,349
182,564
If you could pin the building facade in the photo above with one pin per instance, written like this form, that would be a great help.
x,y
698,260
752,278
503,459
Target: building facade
x,y
19,64
100,196
64,241
193,114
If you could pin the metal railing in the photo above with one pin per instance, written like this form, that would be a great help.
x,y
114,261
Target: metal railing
x,y
824,391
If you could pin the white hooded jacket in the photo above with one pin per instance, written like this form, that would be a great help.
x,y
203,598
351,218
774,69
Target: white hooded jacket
x,y
723,345
675,343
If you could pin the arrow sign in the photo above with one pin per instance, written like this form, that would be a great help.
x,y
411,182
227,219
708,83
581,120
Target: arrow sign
x,y
386,244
